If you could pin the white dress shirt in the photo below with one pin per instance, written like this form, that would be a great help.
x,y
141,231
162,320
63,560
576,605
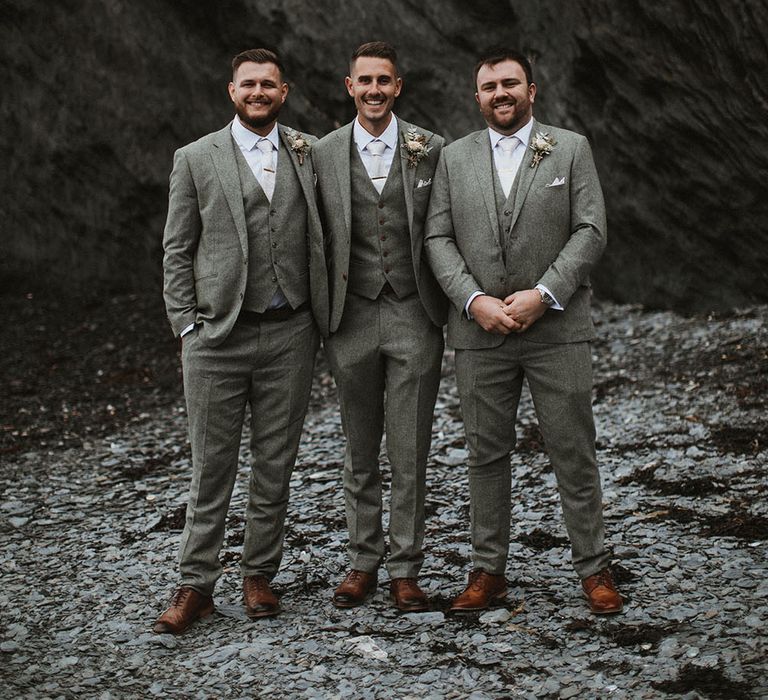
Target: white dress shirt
x,y
362,138
522,136
247,140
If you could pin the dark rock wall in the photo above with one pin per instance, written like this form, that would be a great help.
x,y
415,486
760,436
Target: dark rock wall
x,y
97,94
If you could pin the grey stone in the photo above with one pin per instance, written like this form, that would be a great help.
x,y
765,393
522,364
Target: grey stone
x,y
497,616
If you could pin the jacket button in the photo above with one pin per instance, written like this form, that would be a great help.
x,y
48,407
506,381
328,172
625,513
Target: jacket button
x,y
343,276
274,279
383,238
386,270
381,205
385,253
507,212
274,245
272,212
381,221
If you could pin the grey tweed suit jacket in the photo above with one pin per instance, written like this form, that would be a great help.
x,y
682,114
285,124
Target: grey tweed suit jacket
x,y
331,160
557,234
206,240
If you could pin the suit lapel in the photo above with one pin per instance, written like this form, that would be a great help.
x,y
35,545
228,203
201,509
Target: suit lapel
x,y
303,170
343,167
484,171
525,177
409,174
224,160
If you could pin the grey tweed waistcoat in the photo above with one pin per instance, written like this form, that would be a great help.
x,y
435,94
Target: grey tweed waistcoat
x,y
381,245
277,236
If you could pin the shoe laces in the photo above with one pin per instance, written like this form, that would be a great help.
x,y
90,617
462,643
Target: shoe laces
x,y
258,582
406,581
180,596
601,578
475,578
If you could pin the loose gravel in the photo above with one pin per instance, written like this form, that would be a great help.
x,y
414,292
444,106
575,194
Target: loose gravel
x,y
90,529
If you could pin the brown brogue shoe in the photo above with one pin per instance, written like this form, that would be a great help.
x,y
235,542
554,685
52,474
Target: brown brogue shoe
x,y
354,589
187,605
258,597
601,593
407,595
482,590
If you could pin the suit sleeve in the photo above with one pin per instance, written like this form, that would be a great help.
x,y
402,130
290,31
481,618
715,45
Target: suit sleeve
x,y
180,240
443,253
588,235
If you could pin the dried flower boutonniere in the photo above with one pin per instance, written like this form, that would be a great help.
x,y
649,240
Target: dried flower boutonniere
x,y
299,145
415,147
541,145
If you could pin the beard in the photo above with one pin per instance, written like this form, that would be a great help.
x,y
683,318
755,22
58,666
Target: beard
x,y
260,121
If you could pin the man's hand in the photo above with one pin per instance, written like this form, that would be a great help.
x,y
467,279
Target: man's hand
x,y
525,307
489,313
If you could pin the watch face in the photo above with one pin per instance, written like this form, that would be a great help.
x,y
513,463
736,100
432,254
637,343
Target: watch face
x,y
547,299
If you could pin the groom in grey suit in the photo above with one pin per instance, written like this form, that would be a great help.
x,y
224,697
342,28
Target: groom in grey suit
x,y
387,311
246,288
516,222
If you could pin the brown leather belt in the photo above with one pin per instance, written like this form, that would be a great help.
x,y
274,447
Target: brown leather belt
x,y
281,314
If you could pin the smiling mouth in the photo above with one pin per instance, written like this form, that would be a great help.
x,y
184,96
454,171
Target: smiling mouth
x,y
374,103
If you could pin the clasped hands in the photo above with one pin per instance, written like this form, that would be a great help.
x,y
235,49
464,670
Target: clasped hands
x,y
514,314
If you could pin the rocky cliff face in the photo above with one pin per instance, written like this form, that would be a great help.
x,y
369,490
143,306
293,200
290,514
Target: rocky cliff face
x,y
97,95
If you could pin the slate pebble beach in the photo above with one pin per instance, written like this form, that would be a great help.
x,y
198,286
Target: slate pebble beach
x,y
92,509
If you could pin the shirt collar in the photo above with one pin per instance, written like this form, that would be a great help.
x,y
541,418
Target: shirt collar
x,y
363,137
247,139
524,134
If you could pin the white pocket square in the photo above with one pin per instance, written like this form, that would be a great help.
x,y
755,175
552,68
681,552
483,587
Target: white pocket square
x,y
557,182
424,183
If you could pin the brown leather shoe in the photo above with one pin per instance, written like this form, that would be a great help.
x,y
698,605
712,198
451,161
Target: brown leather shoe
x,y
354,589
407,595
187,605
258,597
601,593
482,590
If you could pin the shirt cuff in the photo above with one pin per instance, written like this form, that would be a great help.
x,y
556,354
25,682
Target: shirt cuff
x,y
186,330
556,306
470,300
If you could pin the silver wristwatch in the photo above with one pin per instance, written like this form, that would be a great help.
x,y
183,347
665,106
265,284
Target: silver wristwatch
x,y
545,298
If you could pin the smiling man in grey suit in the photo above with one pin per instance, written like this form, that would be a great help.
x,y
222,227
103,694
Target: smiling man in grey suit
x,y
386,343
516,223
243,264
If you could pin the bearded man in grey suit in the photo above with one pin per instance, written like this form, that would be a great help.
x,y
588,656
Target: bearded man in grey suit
x,y
244,262
516,222
385,349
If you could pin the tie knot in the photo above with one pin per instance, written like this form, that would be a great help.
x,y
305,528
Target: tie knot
x,y
265,146
508,144
376,148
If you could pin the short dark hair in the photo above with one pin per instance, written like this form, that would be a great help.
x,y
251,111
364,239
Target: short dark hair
x,y
374,49
497,54
257,56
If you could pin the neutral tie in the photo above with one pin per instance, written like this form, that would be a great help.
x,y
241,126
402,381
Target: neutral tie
x,y
378,171
505,162
267,179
